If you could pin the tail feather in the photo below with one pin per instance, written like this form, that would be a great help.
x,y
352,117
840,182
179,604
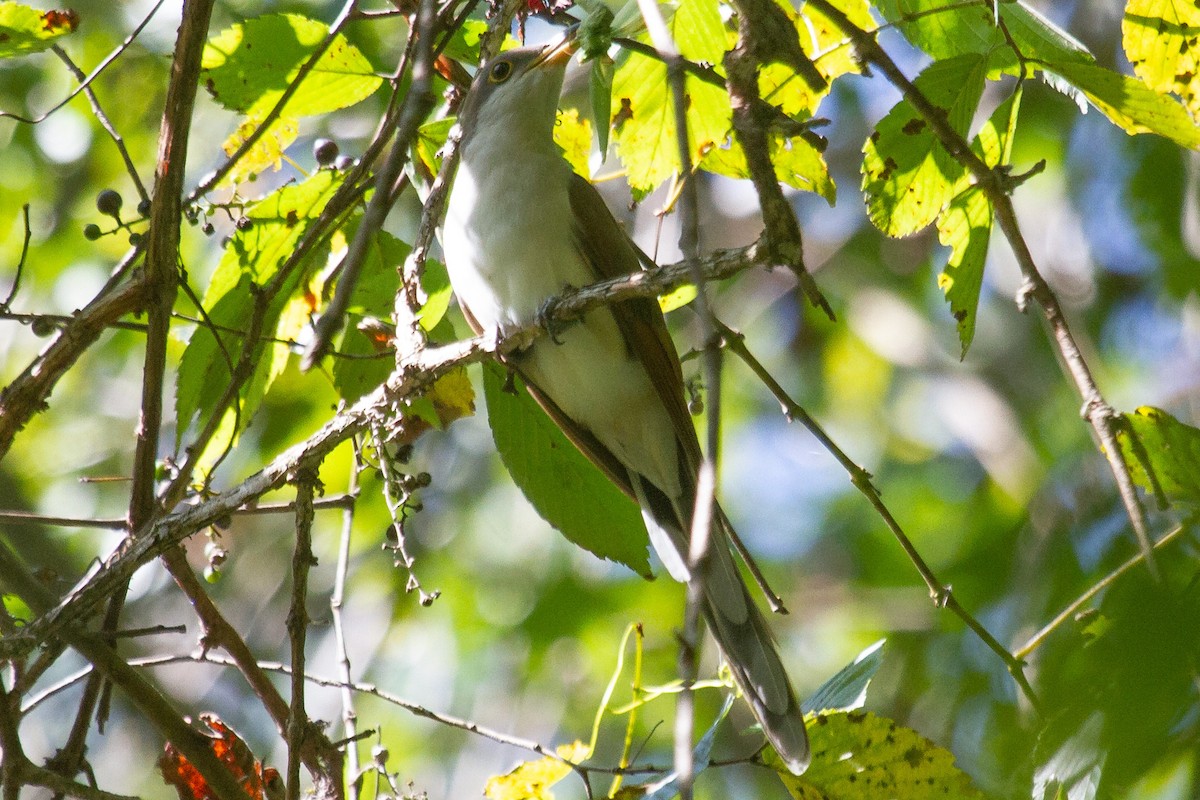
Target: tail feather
x,y
737,624
746,643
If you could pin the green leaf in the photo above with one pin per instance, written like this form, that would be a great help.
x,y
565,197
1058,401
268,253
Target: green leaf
x,y
1131,104
25,30
1163,454
248,66
1160,41
797,163
464,44
966,224
966,228
947,30
827,46
431,138
643,104
374,295
860,756
568,491
600,87
847,690
908,177
251,261
668,787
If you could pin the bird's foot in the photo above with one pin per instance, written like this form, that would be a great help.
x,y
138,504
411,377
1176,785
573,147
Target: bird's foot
x,y
546,317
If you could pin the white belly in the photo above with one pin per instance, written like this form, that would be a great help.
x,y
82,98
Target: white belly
x,y
509,250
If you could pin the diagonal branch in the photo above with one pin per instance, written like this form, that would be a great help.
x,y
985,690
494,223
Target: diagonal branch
x,y
996,185
380,409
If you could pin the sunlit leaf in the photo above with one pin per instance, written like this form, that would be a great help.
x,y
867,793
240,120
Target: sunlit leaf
x,y
945,30
1163,454
847,689
574,137
431,137
258,248
267,151
859,756
1130,104
966,228
532,780
1160,39
569,492
250,64
644,108
908,176
28,30
677,298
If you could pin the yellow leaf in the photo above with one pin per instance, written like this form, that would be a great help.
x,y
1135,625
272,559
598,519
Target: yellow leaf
x,y
1160,42
452,396
531,780
860,756
574,137
678,298
267,152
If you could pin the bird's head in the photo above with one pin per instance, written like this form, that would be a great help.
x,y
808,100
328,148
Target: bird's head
x,y
516,94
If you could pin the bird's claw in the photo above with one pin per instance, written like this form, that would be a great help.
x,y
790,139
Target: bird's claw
x,y
547,321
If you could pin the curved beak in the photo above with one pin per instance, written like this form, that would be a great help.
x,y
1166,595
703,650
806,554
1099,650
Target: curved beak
x,y
557,53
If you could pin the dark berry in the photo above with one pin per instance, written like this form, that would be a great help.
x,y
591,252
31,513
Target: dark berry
x,y
41,326
243,223
208,228
108,202
91,232
135,238
325,151
343,163
144,208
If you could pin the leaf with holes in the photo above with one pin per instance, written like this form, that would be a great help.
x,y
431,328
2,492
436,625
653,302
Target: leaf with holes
x,y
908,177
1163,454
25,30
860,756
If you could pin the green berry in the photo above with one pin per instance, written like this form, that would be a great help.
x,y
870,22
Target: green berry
x,y
91,232
135,238
108,202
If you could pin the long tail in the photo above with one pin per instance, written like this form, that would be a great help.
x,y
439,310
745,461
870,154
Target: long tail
x,y
738,626
747,644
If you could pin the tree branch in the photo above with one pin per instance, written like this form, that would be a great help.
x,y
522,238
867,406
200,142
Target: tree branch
x,y
995,184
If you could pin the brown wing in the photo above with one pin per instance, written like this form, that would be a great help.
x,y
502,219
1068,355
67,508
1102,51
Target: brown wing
x,y
604,244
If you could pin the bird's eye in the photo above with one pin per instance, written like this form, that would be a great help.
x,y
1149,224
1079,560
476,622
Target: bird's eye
x,y
500,72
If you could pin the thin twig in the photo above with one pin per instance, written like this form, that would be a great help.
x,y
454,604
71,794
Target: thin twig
x,y
105,122
418,102
371,410
1038,639
335,29
16,284
95,73
996,185
148,700
702,513
297,627
939,592
336,603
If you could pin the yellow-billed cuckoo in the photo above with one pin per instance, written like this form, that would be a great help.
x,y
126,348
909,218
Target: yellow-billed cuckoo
x,y
520,227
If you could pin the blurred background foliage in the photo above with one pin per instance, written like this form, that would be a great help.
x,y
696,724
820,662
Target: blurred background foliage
x,y
984,461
